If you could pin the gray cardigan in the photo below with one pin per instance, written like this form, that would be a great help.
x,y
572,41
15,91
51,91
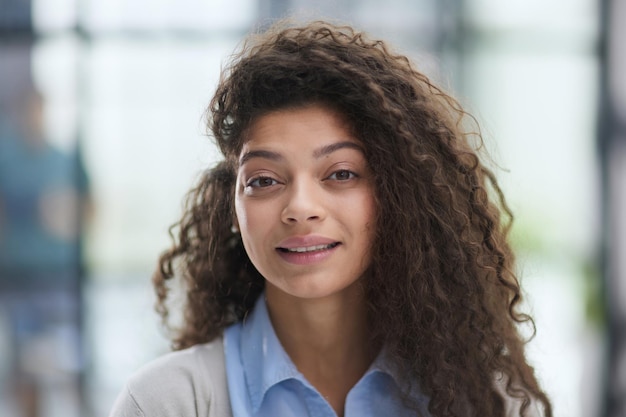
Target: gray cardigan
x,y
192,383
186,383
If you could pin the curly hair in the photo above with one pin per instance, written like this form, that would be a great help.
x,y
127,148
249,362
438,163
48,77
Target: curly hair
x,y
441,290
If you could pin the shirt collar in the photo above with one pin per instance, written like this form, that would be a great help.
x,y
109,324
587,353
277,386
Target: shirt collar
x,y
264,360
266,363
382,365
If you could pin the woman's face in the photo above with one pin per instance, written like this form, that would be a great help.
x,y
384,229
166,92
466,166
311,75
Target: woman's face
x,y
305,202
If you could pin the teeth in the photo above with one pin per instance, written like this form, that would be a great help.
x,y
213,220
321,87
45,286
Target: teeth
x,y
311,248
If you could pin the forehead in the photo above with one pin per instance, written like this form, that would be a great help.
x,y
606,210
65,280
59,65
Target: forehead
x,y
313,124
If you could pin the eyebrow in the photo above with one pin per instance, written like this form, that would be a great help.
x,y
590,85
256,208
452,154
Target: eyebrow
x,y
273,156
318,153
328,149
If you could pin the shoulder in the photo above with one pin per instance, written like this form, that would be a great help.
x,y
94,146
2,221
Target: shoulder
x,y
197,364
189,382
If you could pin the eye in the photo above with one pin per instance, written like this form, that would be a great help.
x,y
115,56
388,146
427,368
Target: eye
x,y
342,175
261,182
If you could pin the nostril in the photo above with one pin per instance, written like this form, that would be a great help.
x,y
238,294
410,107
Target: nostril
x,y
300,212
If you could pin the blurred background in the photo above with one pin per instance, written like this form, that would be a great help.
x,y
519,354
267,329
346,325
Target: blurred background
x,y
101,135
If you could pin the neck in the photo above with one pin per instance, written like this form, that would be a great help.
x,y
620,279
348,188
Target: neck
x,y
328,339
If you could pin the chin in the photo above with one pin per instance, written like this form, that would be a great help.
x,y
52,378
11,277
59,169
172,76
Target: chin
x,y
314,289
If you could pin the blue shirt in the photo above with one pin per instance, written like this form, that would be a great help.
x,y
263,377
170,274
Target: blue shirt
x,y
264,382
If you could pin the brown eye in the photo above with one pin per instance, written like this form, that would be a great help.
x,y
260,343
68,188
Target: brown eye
x,y
261,182
342,175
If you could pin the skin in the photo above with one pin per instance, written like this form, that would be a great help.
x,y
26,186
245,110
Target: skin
x,y
305,207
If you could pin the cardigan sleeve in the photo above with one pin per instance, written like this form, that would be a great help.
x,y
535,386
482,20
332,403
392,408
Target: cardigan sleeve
x,y
190,383
126,405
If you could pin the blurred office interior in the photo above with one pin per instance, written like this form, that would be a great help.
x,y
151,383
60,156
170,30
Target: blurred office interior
x,y
101,135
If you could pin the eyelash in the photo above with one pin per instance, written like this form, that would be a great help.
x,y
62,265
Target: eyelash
x,y
351,175
256,181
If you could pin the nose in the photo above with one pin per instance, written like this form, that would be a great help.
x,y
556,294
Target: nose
x,y
304,203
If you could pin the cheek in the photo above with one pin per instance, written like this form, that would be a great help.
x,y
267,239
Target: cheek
x,y
245,226
369,218
240,213
252,220
368,210
242,208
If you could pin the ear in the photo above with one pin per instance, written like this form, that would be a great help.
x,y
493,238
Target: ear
x,y
234,228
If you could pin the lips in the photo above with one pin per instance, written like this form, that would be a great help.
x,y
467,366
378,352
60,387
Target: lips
x,y
306,249
302,249
306,241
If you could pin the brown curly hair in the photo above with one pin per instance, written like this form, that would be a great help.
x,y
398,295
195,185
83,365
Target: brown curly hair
x,y
441,289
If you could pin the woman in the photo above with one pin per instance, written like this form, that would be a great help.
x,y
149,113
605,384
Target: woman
x,y
347,256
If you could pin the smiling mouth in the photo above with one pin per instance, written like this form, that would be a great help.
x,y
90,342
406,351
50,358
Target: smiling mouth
x,y
305,249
